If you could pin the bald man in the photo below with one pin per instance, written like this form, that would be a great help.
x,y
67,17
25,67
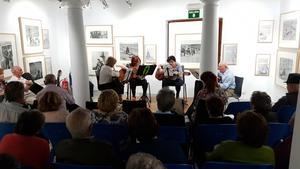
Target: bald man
x,y
17,76
226,79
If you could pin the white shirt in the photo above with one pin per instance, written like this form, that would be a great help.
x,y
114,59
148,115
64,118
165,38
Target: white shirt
x,y
106,74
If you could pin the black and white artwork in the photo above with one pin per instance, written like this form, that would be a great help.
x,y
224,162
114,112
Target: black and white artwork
x,y
31,35
262,65
265,31
286,64
150,54
8,52
289,30
46,41
97,56
99,34
230,54
36,70
48,64
190,52
127,50
285,68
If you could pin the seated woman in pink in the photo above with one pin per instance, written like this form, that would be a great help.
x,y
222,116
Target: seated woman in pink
x,y
28,149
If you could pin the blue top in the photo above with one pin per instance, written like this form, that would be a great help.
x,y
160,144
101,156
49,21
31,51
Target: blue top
x,y
227,80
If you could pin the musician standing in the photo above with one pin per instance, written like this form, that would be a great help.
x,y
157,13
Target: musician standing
x,y
176,77
136,80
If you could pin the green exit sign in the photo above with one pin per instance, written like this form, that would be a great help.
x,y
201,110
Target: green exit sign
x,y
194,13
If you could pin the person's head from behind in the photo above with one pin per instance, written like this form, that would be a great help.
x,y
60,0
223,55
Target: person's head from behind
x,y
108,101
50,101
14,92
293,82
222,67
111,61
142,125
50,79
8,162
135,60
29,123
210,80
261,102
172,61
17,71
143,161
252,129
215,106
79,123
165,99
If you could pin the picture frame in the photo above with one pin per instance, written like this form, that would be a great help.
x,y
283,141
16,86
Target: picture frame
x,y
46,41
286,63
150,55
262,64
289,30
35,65
31,35
127,46
188,49
265,31
8,52
97,55
48,64
230,53
99,34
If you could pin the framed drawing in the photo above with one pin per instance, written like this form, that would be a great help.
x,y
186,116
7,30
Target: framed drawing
x,y
126,46
99,34
286,63
289,30
188,47
97,56
150,54
265,31
8,52
48,64
230,54
262,65
31,35
46,41
35,66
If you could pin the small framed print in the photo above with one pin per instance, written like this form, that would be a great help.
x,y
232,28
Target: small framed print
x,y
262,65
97,56
35,65
289,30
8,52
46,41
150,54
230,54
99,34
265,31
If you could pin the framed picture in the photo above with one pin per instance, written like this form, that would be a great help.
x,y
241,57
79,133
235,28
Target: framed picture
x,y
97,56
46,41
289,30
262,65
127,46
230,54
265,31
150,54
188,47
286,63
48,64
99,34
31,35
35,66
8,52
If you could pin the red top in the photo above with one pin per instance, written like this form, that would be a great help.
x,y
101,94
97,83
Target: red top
x,y
30,151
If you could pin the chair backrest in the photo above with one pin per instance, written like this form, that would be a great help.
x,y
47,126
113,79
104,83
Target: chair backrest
x,y
227,165
56,132
237,107
178,166
238,86
74,166
198,86
285,113
130,105
174,133
6,128
277,132
169,119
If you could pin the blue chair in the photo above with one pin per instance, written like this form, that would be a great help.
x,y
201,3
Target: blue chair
x,y
174,133
56,132
237,107
74,166
227,165
178,166
6,128
277,132
285,113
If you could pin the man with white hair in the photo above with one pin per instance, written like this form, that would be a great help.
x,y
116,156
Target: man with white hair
x,y
83,148
226,79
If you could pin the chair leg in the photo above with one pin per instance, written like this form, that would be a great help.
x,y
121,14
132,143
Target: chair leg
x,y
184,93
128,92
149,92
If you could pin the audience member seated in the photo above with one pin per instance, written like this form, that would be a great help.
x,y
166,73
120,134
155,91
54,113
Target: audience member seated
x,y
28,149
252,131
165,101
14,102
143,161
8,162
83,149
226,79
261,103
143,130
282,153
291,96
109,109
215,109
49,105
50,82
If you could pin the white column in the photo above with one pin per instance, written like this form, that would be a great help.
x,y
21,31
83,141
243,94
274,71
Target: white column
x,y
209,42
79,67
